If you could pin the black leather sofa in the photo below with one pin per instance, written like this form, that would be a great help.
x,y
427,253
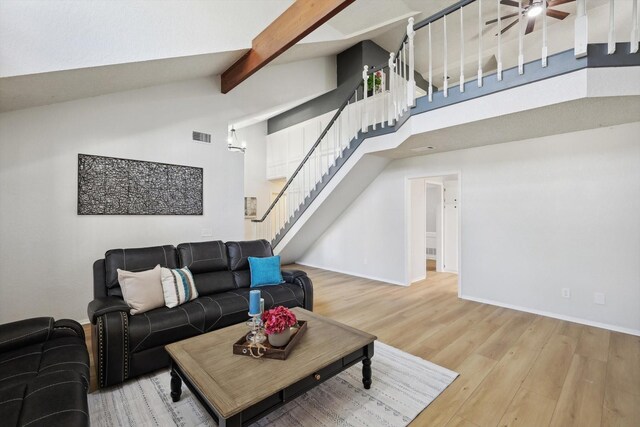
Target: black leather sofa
x,y
44,373
126,346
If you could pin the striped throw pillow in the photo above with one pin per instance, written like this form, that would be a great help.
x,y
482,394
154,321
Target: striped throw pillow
x,y
178,286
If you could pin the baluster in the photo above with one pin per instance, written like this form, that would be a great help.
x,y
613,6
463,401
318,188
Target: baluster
x,y
396,88
355,112
365,77
348,108
611,46
445,83
479,43
373,99
383,97
430,90
392,72
326,162
318,150
635,32
405,99
340,136
461,50
411,84
278,205
499,72
520,40
336,141
544,33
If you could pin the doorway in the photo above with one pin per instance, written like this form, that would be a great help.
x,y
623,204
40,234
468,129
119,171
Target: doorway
x,y
434,206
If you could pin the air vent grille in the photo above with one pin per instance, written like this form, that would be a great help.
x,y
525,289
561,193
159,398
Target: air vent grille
x,y
201,136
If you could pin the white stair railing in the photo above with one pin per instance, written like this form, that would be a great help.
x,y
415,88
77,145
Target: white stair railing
x,y
382,97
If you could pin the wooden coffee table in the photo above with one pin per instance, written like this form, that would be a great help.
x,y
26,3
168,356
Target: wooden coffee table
x,y
238,390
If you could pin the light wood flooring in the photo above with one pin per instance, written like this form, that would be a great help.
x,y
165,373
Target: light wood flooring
x,y
516,369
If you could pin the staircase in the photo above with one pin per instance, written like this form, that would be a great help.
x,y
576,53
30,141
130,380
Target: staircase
x,y
329,177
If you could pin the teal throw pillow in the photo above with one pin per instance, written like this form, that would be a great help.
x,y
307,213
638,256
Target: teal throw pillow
x,y
265,271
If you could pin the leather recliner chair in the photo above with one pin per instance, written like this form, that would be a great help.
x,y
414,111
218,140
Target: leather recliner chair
x,y
126,346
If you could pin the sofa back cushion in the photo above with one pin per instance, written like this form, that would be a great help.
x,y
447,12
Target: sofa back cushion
x,y
239,253
209,266
136,259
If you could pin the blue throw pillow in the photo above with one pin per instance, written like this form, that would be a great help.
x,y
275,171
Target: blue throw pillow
x,y
265,271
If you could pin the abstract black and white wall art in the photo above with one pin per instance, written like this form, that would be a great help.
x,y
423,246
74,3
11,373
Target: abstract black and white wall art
x,y
112,186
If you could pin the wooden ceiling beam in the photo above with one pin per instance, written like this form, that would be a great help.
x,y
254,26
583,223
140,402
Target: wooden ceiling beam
x,y
295,23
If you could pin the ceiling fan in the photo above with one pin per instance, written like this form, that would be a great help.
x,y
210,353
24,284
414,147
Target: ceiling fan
x,y
531,9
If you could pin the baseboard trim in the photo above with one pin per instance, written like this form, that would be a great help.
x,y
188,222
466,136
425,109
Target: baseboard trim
x,y
351,273
419,279
581,321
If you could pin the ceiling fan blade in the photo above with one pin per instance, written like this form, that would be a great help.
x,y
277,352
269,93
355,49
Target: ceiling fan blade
x,y
509,3
558,2
509,26
558,14
530,24
493,21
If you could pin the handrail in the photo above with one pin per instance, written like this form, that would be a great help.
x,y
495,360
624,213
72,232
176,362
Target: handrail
x,y
373,70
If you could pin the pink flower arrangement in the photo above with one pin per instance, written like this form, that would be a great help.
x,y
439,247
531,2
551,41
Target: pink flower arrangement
x,y
278,319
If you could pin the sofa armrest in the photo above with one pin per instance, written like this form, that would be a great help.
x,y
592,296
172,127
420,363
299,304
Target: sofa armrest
x,y
67,328
104,305
24,332
300,278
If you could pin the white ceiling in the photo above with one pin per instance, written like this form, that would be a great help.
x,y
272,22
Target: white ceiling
x,y
113,46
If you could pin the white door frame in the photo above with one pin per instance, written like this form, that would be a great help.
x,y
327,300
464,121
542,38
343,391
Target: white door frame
x,y
407,220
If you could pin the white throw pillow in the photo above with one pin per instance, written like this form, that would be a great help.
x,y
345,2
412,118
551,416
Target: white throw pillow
x,y
178,286
142,291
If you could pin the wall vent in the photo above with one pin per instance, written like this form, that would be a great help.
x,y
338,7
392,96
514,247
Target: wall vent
x,y
431,251
201,137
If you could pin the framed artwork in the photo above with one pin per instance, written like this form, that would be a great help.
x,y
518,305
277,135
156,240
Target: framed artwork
x,y
250,207
113,186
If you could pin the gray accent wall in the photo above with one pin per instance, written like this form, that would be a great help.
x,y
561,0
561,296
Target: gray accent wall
x,y
349,64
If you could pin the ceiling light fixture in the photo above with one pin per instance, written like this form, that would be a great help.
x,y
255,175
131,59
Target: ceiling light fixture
x,y
232,142
535,9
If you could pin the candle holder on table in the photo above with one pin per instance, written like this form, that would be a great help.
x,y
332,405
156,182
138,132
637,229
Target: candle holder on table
x,y
256,307
256,335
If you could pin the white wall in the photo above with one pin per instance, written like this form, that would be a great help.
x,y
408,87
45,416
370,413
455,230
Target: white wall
x,y
433,205
255,172
46,249
537,215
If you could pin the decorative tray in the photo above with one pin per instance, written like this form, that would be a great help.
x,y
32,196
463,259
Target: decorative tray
x,y
242,347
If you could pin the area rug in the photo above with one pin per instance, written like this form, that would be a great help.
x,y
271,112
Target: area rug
x,y
403,386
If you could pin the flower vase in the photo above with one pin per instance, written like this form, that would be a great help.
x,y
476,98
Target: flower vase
x,y
281,339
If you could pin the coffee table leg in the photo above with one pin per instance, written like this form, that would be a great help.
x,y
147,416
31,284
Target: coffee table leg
x,y
176,385
235,421
366,373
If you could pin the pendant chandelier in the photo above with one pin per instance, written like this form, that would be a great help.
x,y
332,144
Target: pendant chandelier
x,y
233,144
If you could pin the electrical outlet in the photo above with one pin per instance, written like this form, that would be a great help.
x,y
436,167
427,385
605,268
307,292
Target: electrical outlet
x,y
566,293
206,232
365,261
598,298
